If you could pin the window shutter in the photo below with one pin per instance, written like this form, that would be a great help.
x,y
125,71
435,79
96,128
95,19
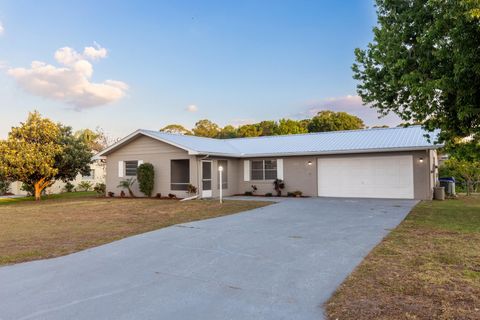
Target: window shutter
x,y
280,169
140,162
120,169
246,170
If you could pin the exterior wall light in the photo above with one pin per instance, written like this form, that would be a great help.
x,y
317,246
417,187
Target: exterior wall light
x,y
420,160
309,163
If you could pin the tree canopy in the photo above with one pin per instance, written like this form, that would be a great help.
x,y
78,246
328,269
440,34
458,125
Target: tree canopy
x,y
40,151
323,121
424,64
334,121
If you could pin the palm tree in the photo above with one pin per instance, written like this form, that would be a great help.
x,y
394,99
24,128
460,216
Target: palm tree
x,y
127,184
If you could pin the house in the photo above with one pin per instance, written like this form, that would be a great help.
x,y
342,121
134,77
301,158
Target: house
x,y
97,175
373,163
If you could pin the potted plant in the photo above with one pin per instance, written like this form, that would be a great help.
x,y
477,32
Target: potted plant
x,y
279,184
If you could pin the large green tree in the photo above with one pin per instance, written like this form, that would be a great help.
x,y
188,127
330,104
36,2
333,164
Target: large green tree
x,y
424,64
334,121
289,126
206,128
176,128
39,151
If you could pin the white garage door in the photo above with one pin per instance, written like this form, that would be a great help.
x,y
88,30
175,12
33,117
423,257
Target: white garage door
x,y
366,177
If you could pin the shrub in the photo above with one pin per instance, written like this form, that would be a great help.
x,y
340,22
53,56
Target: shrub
x,y
4,187
29,189
85,186
268,194
279,184
111,194
68,187
191,189
158,195
172,196
100,188
248,193
297,193
254,188
146,178
290,194
127,184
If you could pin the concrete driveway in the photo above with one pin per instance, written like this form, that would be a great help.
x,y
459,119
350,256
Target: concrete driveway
x,y
278,262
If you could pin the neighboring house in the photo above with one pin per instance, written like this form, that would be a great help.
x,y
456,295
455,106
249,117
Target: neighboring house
x,y
97,175
374,163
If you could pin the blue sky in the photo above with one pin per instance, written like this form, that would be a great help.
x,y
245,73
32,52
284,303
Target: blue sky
x,y
152,63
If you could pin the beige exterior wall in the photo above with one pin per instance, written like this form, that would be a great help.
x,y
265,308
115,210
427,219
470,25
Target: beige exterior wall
x,y
152,151
298,175
99,176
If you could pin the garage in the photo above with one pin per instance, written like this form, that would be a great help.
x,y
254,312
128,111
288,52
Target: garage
x,y
366,177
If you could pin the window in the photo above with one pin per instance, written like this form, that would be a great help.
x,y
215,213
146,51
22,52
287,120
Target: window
x,y
91,176
224,165
179,174
131,168
264,169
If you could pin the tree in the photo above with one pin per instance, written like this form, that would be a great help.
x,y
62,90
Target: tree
x,y
469,171
334,121
289,126
75,157
176,128
248,130
227,132
267,128
424,64
95,140
30,152
146,178
206,128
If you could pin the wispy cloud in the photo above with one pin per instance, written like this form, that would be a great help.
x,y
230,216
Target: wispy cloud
x,y
2,29
71,82
192,108
237,122
352,104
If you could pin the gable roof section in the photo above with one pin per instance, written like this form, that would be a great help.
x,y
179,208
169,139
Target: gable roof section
x,y
351,141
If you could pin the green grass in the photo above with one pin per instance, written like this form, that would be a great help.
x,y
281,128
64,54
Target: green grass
x,y
66,195
427,268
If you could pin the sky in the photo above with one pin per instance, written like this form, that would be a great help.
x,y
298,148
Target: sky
x,y
123,65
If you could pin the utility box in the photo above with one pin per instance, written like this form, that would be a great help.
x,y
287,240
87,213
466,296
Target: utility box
x,y
448,184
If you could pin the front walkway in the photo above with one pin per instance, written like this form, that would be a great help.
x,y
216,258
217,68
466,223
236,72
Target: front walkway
x,y
278,262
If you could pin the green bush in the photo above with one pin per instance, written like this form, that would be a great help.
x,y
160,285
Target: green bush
x,y
4,186
85,186
100,188
146,178
68,187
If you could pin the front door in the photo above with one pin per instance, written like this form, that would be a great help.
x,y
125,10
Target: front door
x,y
207,178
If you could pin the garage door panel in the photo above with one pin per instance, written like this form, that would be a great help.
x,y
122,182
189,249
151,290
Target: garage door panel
x,y
371,177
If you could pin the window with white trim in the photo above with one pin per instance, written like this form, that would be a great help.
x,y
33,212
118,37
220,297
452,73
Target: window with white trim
x,y
263,169
131,168
90,176
179,174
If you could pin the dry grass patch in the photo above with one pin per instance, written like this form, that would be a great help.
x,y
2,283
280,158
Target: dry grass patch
x,y
55,227
427,268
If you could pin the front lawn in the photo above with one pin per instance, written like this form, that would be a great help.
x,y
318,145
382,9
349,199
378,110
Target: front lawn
x,y
66,195
64,224
427,268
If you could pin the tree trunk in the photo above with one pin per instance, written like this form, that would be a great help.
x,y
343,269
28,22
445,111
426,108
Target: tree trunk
x,y
38,190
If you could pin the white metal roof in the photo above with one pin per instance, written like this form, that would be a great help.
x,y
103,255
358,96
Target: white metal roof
x,y
351,141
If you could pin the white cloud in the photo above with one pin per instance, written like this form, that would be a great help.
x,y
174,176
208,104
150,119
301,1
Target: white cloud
x,y
192,108
238,122
2,29
352,104
71,82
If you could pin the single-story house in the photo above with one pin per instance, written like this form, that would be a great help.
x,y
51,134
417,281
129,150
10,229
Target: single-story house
x,y
372,163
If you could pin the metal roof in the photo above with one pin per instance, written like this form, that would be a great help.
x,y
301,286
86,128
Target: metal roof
x,y
351,141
